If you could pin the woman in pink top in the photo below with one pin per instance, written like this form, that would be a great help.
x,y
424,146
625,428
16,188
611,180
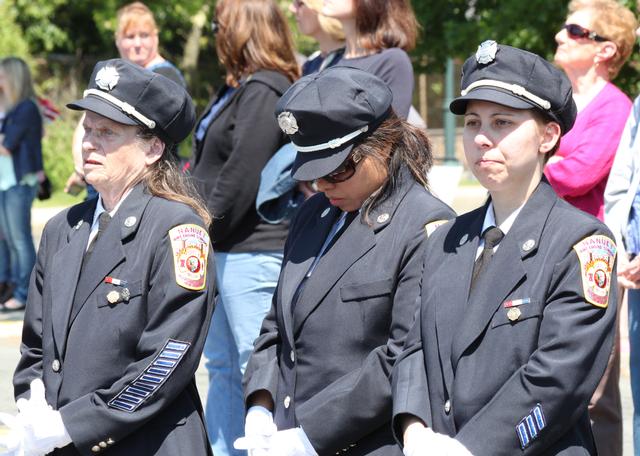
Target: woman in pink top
x,y
593,44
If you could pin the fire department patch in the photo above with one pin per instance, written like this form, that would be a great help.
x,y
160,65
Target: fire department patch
x,y
597,254
190,246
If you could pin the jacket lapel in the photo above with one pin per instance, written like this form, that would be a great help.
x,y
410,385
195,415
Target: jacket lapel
x,y
66,271
354,242
507,268
461,256
109,250
303,253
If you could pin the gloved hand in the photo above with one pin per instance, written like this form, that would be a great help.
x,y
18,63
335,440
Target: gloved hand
x,y
423,442
11,443
291,442
43,429
258,428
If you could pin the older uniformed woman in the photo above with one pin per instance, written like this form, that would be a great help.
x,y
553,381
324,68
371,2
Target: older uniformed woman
x,y
119,301
518,296
318,379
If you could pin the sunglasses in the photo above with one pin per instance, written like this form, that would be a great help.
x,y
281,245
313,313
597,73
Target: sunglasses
x,y
576,31
344,172
215,26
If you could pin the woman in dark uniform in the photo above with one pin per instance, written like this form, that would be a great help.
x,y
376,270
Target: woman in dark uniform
x,y
518,296
119,301
346,297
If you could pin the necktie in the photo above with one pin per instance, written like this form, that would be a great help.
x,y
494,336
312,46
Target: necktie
x,y
103,221
492,237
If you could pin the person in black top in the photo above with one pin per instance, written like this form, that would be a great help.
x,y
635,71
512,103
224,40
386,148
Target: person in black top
x,y
234,139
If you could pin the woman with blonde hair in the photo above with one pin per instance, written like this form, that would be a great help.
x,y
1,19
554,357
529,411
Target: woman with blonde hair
x,y
20,169
593,44
234,138
325,30
137,41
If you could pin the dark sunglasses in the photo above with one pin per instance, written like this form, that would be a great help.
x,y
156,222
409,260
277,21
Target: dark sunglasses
x,y
576,31
344,172
215,26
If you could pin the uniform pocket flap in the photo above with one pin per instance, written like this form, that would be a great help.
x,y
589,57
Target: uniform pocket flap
x,y
359,291
515,314
117,294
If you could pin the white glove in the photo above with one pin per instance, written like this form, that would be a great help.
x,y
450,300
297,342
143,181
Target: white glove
x,y
258,428
423,442
11,444
291,442
420,441
43,429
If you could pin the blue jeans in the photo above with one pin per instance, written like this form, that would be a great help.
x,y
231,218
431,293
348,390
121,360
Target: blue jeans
x,y
5,260
633,301
245,282
15,224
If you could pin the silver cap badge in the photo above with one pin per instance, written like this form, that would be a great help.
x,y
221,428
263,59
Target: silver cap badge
x,y
107,78
287,123
486,52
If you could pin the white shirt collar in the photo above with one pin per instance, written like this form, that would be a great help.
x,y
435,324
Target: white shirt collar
x,y
490,219
100,208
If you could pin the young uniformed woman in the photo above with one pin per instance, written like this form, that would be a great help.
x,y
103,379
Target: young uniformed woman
x,y
518,296
347,293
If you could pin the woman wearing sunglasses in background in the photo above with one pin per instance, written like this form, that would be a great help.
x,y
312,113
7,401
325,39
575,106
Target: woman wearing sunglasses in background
x,y
596,40
318,379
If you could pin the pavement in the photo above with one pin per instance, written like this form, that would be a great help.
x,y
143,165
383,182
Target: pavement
x,y
466,197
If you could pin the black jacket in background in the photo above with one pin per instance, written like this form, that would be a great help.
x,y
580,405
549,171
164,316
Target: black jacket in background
x,y
226,164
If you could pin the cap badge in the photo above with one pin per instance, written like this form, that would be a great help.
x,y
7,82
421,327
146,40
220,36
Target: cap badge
x,y
107,78
486,52
287,123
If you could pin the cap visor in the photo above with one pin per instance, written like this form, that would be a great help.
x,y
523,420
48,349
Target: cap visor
x,y
314,165
459,105
102,107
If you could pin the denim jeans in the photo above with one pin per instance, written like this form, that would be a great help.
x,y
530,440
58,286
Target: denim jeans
x,y
633,301
245,283
5,260
15,224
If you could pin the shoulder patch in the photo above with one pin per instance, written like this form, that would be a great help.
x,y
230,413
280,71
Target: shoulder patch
x,y
190,247
432,226
597,254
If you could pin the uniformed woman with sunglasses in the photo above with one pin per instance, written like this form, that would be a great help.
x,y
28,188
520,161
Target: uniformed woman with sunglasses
x,y
518,299
318,379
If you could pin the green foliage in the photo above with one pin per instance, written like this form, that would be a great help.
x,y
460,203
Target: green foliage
x,y
11,39
454,28
56,149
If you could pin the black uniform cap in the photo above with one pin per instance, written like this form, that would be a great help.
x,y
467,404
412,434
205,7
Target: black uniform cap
x,y
127,93
519,79
325,114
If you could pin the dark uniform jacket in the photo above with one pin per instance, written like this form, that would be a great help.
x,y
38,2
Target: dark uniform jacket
x,y
500,379
326,362
120,373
